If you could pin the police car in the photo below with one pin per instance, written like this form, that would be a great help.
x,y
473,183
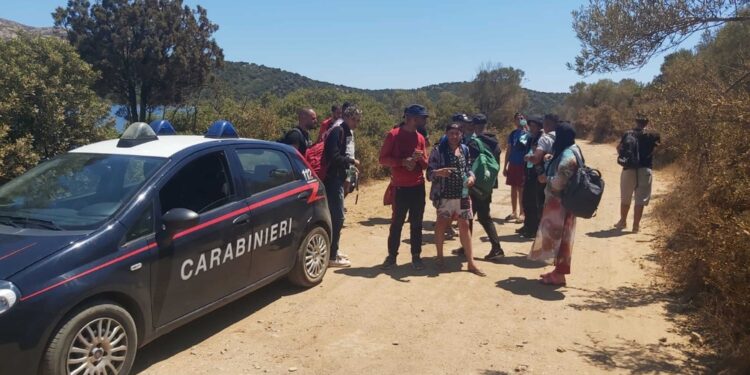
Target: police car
x,y
107,247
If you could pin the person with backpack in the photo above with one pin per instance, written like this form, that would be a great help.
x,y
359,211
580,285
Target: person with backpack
x,y
299,136
336,162
513,167
326,124
484,155
451,176
533,190
543,148
554,239
635,155
404,151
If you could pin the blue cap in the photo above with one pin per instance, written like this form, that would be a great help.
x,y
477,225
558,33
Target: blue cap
x,y
162,127
416,110
221,129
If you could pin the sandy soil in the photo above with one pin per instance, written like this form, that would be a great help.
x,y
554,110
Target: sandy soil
x,y
610,318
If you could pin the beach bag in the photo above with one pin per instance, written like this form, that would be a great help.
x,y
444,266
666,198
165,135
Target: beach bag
x,y
584,190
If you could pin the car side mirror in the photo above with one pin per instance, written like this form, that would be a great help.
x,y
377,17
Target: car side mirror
x,y
175,221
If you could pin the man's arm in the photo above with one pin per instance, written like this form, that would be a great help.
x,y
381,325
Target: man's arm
x,y
386,158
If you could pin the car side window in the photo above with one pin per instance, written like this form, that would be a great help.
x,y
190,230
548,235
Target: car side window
x,y
201,185
143,227
264,169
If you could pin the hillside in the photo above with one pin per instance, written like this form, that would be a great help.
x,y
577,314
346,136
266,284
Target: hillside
x,y
248,80
9,29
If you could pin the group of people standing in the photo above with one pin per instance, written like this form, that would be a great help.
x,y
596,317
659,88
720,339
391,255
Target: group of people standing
x,y
541,156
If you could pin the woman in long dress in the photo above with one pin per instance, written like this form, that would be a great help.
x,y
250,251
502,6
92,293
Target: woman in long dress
x,y
555,236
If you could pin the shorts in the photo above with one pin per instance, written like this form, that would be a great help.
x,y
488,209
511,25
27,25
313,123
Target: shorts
x,y
459,208
516,175
638,182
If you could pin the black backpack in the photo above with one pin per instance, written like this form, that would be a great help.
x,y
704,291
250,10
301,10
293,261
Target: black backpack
x,y
628,155
284,137
584,190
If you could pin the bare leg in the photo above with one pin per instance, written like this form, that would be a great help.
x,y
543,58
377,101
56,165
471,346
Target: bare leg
x,y
624,209
520,202
514,199
440,226
637,214
465,233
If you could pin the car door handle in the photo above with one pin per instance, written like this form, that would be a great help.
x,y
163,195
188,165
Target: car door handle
x,y
242,219
303,195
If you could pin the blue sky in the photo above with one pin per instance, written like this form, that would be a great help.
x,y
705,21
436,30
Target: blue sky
x,y
392,44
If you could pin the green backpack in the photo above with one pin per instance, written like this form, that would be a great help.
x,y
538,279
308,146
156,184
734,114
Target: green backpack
x,y
485,168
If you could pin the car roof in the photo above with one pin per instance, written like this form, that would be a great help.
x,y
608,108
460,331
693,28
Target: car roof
x,y
164,147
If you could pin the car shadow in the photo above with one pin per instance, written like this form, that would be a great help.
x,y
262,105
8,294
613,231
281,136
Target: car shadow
x,y
525,287
404,270
204,327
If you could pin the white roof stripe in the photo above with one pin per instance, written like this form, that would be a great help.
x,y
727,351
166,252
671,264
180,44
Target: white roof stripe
x,y
165,146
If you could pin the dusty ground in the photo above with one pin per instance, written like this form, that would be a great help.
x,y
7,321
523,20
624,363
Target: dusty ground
x,y
363,320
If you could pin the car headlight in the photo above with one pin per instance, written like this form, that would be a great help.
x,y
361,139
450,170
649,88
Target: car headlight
x,y
8,296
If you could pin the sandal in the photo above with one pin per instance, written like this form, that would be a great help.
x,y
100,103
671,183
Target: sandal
x,y
477,272
510,217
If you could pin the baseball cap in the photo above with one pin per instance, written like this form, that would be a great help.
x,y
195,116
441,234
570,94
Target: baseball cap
x,y
460,117
416,110
479,119
452,126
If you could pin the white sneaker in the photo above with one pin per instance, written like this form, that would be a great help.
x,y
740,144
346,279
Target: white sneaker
x,y
339,262
342,255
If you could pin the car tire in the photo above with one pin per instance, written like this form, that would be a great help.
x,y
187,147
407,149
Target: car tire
x,y
97,336
312,259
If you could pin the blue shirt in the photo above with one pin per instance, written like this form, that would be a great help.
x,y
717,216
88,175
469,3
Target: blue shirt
x,y
517,141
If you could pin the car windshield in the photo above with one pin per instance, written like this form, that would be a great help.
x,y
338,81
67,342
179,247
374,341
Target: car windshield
x,y
74,191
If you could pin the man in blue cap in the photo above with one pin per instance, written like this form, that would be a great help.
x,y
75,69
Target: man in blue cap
x,y
404,151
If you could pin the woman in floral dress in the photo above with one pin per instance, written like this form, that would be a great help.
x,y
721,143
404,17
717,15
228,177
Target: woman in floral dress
x,y
554,239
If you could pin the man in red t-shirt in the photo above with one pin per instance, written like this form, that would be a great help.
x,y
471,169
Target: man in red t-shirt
x,y
335,115
405,152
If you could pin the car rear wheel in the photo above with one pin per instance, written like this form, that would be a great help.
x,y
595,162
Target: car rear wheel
x,y
312,259
97,339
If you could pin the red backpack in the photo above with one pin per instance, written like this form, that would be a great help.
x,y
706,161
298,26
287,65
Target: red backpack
x,y
314,155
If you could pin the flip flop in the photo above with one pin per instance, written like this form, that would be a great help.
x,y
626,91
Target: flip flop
x,y
510,217
619,225
477,272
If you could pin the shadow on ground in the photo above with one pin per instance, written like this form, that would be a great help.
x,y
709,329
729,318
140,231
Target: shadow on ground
x,y
373,221
404,269
533,288
637,358
608,233
203,328
621,298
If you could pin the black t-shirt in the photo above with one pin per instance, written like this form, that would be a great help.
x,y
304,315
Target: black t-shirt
x,y
298,136
647,142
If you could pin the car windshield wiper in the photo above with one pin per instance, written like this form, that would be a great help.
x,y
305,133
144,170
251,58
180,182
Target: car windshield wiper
x,y
18,221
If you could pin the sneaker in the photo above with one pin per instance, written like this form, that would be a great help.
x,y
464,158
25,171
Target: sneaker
x,y
495,253
417,263
521,230
342,255
388,263
528,234
459,251
339,262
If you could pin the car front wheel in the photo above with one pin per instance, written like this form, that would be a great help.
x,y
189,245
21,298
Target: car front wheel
x,y
312,259
96,339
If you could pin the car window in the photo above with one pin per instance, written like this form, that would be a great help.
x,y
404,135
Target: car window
x,y
143,227
74,191
200,186
264,169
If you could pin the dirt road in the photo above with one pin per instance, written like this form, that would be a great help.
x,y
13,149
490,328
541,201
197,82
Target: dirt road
x,y
362,320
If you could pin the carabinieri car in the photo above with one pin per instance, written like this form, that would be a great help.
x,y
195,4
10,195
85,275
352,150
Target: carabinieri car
x,y
113,244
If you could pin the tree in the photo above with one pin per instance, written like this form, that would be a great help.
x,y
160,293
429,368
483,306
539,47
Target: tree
x,y
150,52
626,34
497,92
47,105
